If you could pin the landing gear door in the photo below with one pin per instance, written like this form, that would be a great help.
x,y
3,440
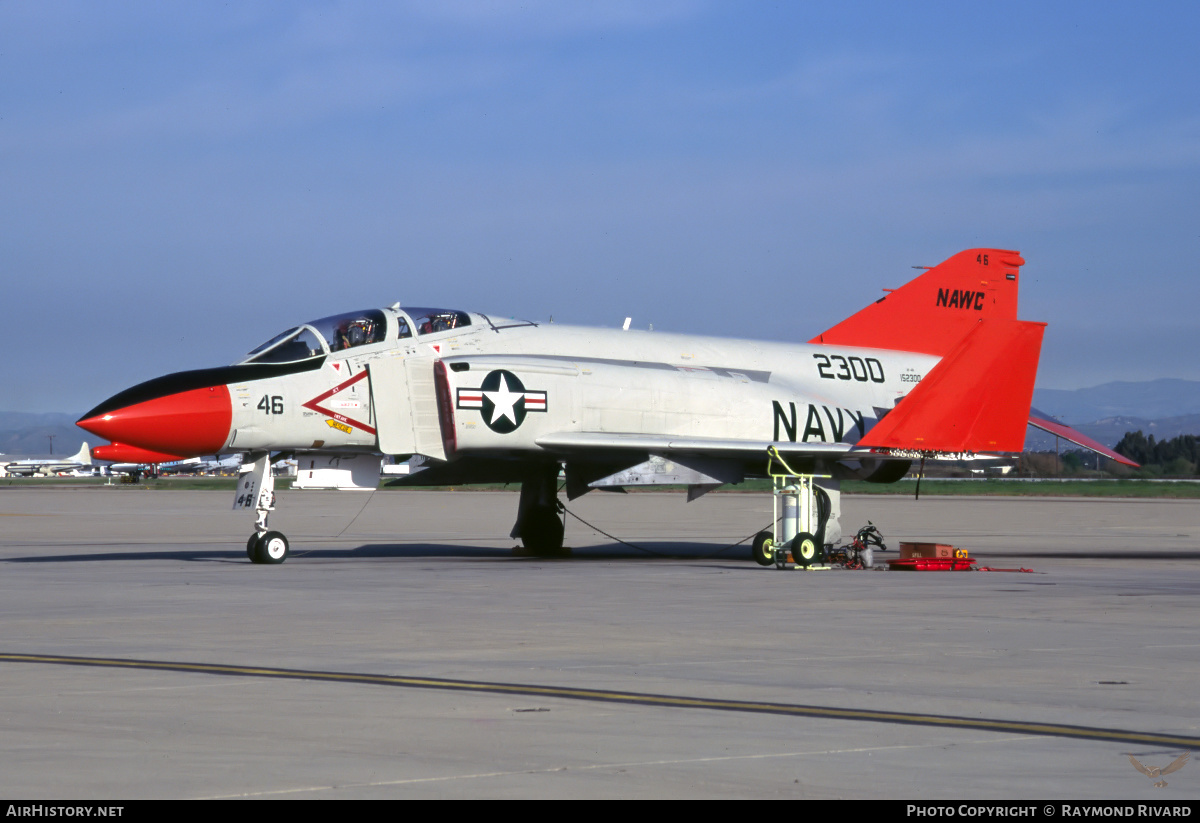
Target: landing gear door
x,y
253,491
391,397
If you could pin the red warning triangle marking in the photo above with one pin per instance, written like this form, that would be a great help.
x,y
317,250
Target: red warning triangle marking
x,y
315,403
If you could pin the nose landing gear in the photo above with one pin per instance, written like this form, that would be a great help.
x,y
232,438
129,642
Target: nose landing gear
x,y
256,489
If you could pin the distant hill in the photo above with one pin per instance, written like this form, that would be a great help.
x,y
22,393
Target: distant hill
x,y
1149,400
1110,430
23,434
1165,408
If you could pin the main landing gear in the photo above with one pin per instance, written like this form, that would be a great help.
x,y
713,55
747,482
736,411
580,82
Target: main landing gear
x,y
256,489
539,525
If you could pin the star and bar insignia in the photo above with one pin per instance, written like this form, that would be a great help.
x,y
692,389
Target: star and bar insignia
x,y
503,400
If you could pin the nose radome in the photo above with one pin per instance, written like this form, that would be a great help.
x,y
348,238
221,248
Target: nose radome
x,y
186,423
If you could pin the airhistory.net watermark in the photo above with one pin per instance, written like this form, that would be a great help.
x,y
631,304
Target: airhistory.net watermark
x,y
43,810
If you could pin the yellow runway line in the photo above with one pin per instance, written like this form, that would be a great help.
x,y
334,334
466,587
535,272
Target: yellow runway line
x,y
631,698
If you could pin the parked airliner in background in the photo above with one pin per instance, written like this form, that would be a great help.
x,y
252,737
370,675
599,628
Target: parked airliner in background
x,y
939,368
29,466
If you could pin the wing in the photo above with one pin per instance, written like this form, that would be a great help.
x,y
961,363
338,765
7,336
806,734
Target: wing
x,y
1177,763
1138,765
617,441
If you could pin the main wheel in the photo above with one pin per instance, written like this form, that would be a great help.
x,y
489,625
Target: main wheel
x,y
763,549
804,549
542,531
272,548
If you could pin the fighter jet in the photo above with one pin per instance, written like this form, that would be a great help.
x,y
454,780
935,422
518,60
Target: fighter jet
x,y
30,466
939,368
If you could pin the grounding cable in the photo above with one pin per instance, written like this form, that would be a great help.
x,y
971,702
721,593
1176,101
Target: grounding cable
x,y
370,497
596,528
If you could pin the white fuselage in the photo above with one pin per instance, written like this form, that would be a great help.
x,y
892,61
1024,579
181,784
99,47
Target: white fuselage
x,y
571,379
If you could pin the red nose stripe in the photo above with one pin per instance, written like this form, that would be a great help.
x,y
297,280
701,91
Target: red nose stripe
x,y
186,424
122,453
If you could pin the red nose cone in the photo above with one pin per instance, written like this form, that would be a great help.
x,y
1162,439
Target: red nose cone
x,y
187,424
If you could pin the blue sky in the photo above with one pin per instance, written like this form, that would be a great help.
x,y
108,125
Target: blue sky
x,y
183,180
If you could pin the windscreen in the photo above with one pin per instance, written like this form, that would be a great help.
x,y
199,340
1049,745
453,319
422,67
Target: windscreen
x,y
295,344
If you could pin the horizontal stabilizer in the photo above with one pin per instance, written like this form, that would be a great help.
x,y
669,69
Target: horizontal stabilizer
x,y
975,400
1046,423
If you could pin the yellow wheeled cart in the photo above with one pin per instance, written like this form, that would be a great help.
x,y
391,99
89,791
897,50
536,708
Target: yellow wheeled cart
x,y
796,525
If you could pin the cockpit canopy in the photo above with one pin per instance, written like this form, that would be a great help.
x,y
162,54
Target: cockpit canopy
x,y
348,331
329,334
428,321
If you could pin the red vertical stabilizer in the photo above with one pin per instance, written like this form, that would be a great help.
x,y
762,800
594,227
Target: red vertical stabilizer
x,y
975,400
933,312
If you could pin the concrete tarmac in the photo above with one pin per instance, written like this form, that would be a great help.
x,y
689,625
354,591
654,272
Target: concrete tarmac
x,y
1092,656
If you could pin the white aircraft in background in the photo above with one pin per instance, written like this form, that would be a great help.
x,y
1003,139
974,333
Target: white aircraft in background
x,y
940,368
188,465
137,470
218,465
29,466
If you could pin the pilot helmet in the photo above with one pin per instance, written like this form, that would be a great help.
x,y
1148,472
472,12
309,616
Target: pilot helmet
x,y
360,331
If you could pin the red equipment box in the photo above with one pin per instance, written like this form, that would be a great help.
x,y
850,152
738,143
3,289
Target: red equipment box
x,y
911,550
